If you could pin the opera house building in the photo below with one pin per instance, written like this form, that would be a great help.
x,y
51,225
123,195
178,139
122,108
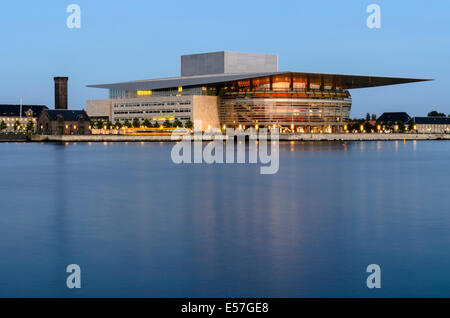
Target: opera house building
x,y
228,89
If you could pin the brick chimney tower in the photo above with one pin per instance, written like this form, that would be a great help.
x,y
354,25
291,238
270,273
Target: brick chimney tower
x,y
61,92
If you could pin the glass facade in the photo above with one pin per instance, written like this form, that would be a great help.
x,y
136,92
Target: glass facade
x,y
178,91
285,100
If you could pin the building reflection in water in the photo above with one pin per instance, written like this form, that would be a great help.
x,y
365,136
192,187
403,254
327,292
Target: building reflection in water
x,y
141,226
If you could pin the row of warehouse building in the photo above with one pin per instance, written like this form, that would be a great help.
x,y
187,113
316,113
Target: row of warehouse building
x,y
422,125
43,120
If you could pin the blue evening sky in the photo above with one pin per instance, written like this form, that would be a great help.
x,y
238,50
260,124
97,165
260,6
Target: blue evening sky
x,y
137,39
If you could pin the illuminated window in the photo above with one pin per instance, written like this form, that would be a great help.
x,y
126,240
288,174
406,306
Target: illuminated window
x,y
261,83
244,84
144,93
281,83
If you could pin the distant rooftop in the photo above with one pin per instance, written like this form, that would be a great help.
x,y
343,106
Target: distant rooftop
x,y
14,110
431,120
67,115
394,117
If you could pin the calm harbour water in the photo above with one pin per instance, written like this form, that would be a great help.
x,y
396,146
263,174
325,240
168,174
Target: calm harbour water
x,y
140,226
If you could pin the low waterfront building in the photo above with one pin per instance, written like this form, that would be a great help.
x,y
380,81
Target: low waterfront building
x,y
12,115
63,122
393,118
228,89
430,125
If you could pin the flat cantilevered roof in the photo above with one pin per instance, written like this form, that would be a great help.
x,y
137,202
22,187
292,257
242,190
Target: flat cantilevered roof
x,y
340,80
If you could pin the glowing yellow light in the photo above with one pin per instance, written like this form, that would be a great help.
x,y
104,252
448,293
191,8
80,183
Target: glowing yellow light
x,y
292,127
180,89
224,127
361,128
396,127
67,126
345,127
74,126
144,93
257,127
379,127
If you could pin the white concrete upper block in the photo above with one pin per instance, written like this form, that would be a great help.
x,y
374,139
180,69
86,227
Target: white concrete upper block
x,y
228,63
